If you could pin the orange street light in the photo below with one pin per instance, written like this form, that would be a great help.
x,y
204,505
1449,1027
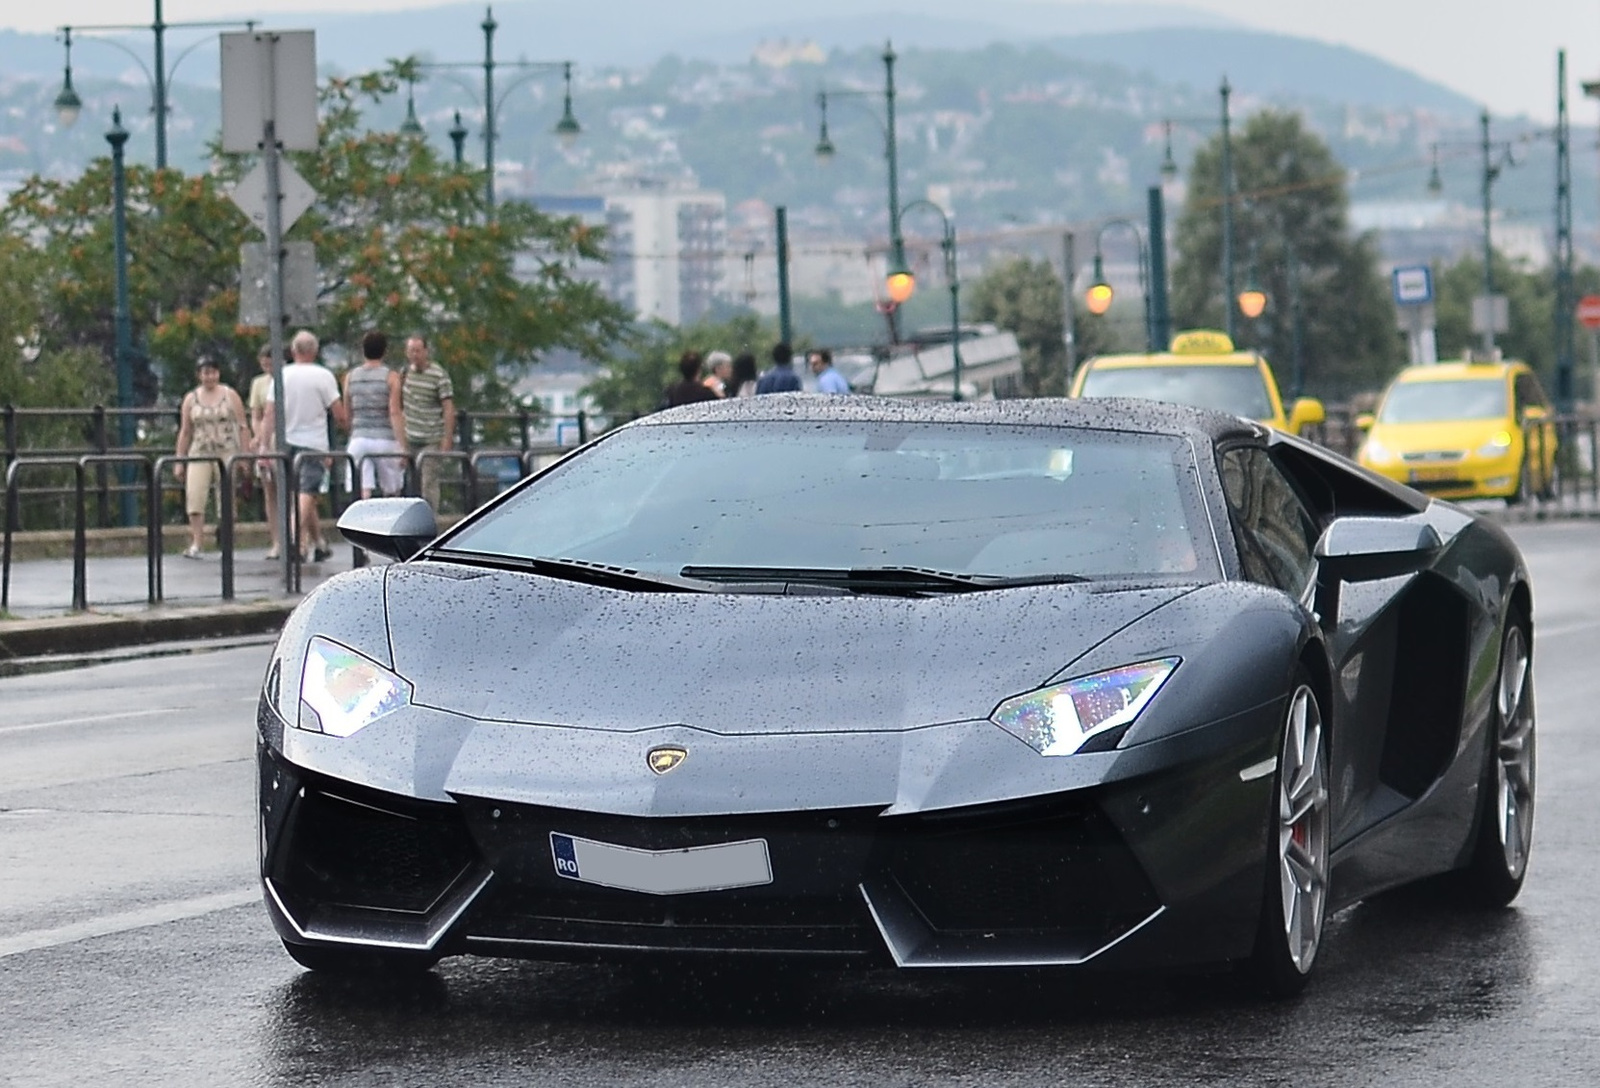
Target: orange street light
x,y
1252,302
1098,297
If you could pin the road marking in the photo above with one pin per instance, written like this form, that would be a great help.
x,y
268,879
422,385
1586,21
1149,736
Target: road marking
x,y
122,716
106,925
1560,629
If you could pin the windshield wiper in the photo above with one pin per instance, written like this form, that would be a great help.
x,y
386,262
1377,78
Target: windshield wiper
x,y
572,570
877,579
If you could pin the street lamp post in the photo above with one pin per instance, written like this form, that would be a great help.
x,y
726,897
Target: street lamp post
x,y
458,137
898,277
1496,156
567,128
117,137
1169,169
68,104
948,245
1097,299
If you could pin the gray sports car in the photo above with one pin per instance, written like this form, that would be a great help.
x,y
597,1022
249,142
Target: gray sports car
x,y
1103,684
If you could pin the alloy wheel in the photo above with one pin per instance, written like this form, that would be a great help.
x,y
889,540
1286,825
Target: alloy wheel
x,y
1514,751
1303,829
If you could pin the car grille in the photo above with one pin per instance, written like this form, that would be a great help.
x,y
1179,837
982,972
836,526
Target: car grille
x,y
1434,457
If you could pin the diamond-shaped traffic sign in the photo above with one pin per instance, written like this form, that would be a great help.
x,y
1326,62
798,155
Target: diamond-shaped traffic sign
x,y
295,192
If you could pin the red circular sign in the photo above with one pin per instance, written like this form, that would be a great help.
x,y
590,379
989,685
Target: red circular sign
x,y
1589,311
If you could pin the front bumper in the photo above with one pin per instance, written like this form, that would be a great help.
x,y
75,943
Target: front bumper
x,y
1470,477
1158,869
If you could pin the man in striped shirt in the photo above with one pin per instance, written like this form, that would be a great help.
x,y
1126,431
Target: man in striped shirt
x,y
428,413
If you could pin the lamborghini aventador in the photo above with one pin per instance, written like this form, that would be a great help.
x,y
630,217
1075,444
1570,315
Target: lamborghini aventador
x,y
1083,684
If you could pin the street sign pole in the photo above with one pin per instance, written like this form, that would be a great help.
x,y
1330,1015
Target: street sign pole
x,y
269,105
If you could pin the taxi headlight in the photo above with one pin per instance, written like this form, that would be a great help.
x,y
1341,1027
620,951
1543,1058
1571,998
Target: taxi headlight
x,y
1058,720
1376,452
342,691
1496,446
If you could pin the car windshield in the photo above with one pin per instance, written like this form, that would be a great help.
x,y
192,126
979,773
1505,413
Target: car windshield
x,y
1437,402
1237,390
847,495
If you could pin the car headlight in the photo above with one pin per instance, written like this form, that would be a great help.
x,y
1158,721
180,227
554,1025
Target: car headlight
x,y
1058,720
342,691
1496,446
1376,452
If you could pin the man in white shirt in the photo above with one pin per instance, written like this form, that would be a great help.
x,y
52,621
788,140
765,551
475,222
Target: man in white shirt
x,y
310,392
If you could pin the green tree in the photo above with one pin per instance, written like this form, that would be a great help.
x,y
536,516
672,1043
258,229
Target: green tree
x,y
645,362
1531,299
1292,235
1024,297
403,244
32,375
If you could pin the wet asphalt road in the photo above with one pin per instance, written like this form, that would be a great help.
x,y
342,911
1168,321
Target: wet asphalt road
x,y
133,950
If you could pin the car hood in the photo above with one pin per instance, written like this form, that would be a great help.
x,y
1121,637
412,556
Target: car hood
x,y
1452,435
514,647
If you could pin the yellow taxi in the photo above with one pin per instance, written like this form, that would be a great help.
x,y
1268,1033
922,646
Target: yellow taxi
x,y
1203,369
1464,430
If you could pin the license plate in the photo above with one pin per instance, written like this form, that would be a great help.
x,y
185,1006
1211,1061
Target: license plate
x,y
662,872
1446,472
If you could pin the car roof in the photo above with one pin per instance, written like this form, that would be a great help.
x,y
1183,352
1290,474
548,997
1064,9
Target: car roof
x,y
1459,371
1167,358
1100,413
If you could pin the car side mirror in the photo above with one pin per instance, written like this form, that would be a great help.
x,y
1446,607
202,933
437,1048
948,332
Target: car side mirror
x,y
1362,549
1307,412
1365,420
398,528
1535,413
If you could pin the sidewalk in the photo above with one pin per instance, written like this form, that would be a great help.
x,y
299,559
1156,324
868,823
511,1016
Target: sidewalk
x,y
41,621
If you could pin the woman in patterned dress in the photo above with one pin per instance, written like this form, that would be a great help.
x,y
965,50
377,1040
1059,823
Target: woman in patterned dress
x,y
214,424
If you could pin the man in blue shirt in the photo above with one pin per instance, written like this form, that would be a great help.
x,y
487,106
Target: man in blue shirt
x,y
829,380
781,378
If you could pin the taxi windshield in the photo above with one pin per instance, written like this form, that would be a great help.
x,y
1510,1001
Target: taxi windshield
x,y
1237,390
1437,402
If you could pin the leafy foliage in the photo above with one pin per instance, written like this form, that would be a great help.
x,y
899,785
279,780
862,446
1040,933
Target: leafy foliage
x,y
1531,297
403,244
1291,227
1025,297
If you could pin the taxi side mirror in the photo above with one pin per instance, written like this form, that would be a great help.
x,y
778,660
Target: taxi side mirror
x,y
1535,413
1307,412
1365,420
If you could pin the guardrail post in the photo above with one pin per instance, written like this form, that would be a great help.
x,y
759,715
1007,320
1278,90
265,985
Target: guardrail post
x,y
103,497
583,426
225,467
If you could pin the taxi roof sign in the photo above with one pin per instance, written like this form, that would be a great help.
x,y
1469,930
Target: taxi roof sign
x,y
1202,342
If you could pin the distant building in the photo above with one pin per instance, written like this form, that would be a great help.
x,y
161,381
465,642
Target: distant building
x,y
666,248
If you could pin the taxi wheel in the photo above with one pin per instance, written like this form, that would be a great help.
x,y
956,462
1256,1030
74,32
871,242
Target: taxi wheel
x,y
1552,483
1524,484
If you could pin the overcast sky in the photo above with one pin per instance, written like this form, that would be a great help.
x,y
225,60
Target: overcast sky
x,y
1500,52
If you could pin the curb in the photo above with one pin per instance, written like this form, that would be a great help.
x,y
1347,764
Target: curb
x,y
97,632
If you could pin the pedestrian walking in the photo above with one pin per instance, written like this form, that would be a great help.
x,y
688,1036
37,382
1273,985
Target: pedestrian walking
x,y
310,392
377,427
743,382
781,378
266,472
829,380
690,390
427,413
213,423
719,372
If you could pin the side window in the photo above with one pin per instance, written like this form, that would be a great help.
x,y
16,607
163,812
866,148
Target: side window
x,y
1274,530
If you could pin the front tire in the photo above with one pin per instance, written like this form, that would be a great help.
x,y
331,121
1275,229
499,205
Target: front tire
x,y
1505,809
1296,895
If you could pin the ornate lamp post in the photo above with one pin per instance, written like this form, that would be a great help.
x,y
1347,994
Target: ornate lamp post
x,y
117,137
899,282
906,283
1169,170
68,104
566,129
1097,299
